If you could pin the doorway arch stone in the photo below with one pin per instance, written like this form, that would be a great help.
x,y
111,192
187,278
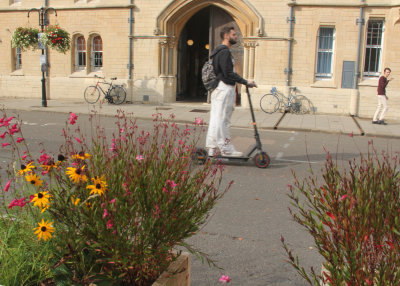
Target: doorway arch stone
x,y
171,21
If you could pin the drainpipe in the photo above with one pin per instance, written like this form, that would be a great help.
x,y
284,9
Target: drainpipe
x,y
291,20
131,20
355,94
47,73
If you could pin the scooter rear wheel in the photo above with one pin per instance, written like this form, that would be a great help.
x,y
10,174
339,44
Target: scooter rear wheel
x,y
200,155
262,160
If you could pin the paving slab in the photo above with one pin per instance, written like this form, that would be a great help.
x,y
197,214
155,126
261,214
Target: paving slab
x,y
392,130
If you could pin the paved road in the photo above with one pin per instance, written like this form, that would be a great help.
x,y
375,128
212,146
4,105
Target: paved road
x,y
243,234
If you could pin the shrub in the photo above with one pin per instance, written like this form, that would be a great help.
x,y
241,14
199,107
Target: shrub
x,y
353,217
115,207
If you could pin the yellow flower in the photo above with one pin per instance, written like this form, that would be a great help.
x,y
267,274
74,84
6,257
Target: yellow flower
x,y
99,186
88,205
75,201
44,230
76,174
26,169
50,165
33,179
81,156
41,200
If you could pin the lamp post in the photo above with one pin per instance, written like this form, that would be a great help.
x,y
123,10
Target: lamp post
x,y
43,23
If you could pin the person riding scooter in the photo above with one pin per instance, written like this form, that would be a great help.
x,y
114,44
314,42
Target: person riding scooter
x,y
223,97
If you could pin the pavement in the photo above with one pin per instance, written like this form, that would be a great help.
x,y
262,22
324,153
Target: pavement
x,y
188,112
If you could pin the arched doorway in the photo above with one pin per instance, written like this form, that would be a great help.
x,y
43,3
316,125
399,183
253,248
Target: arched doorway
x,y
198,38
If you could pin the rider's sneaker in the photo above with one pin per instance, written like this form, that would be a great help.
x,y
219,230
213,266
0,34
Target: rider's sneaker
x,y
212,152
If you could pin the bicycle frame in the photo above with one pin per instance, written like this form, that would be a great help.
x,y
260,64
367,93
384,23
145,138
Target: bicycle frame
x,y
101,89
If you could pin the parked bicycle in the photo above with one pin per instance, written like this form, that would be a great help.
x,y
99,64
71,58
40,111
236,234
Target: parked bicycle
x,y
115,94
295,103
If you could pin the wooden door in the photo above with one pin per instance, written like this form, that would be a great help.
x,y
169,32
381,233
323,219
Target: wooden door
x,y
219,19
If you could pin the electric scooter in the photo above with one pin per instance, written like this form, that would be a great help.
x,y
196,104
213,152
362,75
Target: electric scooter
x,y
261,158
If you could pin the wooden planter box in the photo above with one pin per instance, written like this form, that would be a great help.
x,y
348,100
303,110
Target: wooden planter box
x,y
177,274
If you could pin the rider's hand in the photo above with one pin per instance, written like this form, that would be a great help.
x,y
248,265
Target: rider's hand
x,y
251,84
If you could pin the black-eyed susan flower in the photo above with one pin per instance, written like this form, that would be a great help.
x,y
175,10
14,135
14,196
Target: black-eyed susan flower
x,y
41,200
47,167
81,156
26,168
61,158
75,201
77,174
99,186
33,179
44,230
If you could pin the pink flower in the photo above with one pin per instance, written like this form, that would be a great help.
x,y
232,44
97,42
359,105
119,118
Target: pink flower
x,y
78,140
105,213
171,183
72,118
19,139
139,158
24,157
224,279
343,197
44,159
351,134
31,198
7,186
9,119
112,201
5,144
3,135
199,121
17,203
2,119
109,224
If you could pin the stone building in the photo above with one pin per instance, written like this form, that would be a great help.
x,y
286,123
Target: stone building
x,y
333,51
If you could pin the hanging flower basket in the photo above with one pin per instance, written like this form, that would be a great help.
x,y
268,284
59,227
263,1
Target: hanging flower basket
x,y
25,38
56,38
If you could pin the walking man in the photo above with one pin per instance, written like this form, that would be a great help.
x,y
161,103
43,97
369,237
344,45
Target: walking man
x,y
223,97
382,98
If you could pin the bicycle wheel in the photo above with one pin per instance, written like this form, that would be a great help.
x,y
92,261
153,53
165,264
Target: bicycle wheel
x,y
92,94
302,105
118,94
269,103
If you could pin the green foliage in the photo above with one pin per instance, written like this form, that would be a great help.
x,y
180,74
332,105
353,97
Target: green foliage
x,y
354,219
23,261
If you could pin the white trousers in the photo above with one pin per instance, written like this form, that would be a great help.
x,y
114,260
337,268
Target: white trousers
x,y
382,108
222,106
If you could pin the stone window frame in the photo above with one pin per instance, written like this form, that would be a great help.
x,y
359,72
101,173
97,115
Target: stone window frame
x,y
330,50
17,63
77,52
94,54
367,73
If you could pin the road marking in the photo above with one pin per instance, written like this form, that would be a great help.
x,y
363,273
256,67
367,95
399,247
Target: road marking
x,y
286,146
47,124
29,123
279,156
296,161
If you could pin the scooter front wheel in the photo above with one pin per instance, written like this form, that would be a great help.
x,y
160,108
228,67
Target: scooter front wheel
x,y
262,160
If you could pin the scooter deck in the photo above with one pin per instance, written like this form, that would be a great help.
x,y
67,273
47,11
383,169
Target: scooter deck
x,y
230,158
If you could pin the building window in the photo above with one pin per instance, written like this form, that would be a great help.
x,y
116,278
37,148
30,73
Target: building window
x,y
18,59
97,53
80,53
373,48
15,1
326,39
